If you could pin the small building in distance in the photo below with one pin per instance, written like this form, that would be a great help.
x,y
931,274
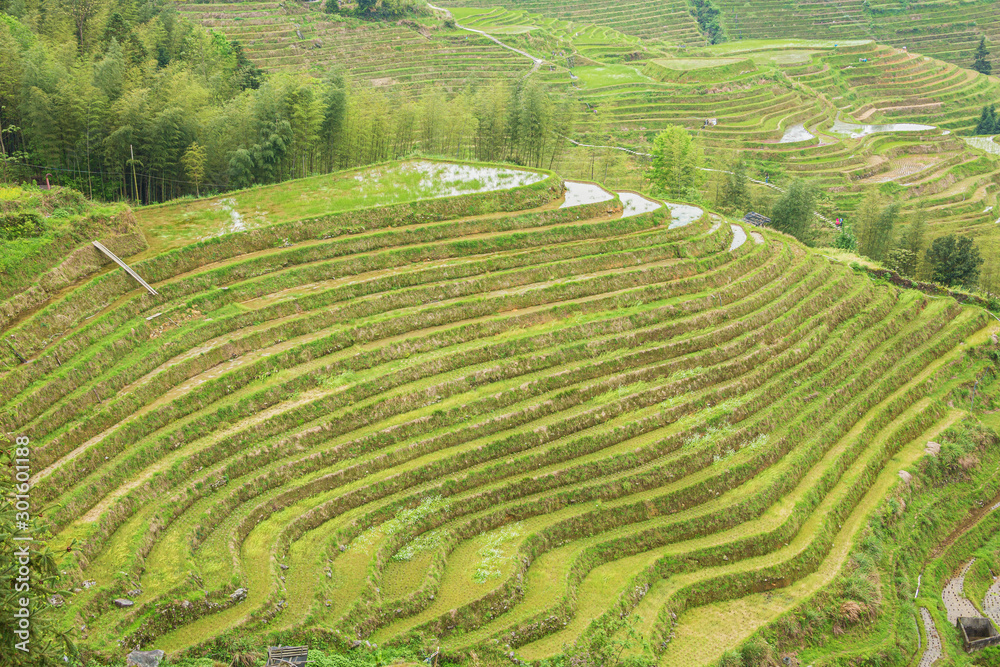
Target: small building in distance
x,y
287,656
756,219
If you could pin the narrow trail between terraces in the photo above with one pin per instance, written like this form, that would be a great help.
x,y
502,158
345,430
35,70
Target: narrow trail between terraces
x,y
537,61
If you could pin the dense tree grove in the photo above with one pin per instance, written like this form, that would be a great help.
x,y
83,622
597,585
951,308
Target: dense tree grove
x,y
129,101
953,261
707,15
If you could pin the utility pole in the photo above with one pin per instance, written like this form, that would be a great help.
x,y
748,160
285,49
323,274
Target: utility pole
x,y
135,184
90,185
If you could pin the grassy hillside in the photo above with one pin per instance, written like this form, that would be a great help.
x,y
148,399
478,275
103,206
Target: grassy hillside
x,y
488,421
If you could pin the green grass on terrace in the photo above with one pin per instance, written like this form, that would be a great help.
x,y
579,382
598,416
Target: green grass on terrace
x,y
188,220
686,64
609,75
666,21
740,46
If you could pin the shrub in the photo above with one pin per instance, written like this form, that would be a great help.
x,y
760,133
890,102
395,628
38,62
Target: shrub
x,y
731,659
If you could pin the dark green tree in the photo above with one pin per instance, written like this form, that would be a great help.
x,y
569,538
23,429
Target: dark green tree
x,y
675,162
334,99
793,212
118,28
247,75
981,63
241,168
535,123
955,261
736,189
393,9
989,123
270,151
912,242
877,217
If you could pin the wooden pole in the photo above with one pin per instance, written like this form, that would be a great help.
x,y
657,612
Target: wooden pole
x,y
128,269
135,184
14,350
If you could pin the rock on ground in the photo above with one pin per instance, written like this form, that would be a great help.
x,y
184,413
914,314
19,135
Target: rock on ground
x,y
144,658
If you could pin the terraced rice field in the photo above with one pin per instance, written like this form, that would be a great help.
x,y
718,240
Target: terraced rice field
x,y
669,21
946,30
598,43
488,419
842,118
281,36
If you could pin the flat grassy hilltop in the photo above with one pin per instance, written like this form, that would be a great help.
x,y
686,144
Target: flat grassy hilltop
x,y
181,223
497,412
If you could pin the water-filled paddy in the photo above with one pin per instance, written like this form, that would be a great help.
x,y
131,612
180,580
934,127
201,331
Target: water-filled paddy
x,y
856,131
683,214
635,204
796,133
739,237
988,144
578,194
